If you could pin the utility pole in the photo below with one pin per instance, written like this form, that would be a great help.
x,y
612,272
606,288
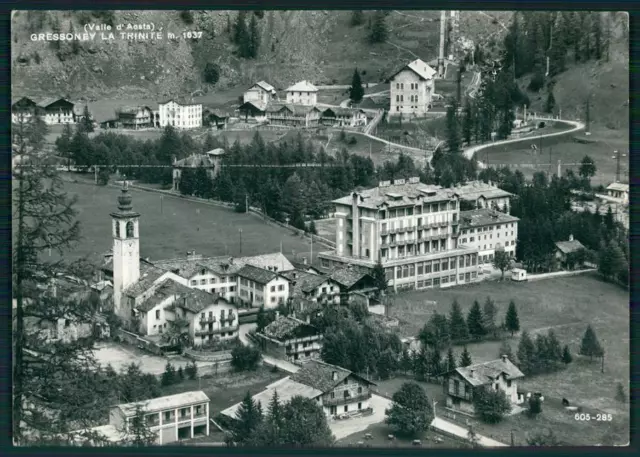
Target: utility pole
x,y
602,366
95,171
161,200
587,119
240,232
311,259
443,25
617,155
550,164
246,203
559,168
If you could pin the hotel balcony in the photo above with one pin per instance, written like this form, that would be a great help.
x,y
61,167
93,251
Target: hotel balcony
x,y
216,330
344,400
207,320
229,318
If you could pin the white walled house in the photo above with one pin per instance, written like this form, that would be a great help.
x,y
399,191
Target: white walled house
x,y
262,92
619,191
181,114
462,383
302,93
411,89
258,287
479,194
487,230
314,287
344,117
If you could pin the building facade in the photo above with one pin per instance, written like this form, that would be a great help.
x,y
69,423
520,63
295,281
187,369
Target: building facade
x,y
172,418
180,114
135,117
262,92
619,191
258,287
488,230
462,383
302,93
412,228
344,117
210,160
57,111
411,89
301,116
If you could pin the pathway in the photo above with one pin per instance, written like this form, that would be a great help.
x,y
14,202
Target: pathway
x,y
577,126
461,432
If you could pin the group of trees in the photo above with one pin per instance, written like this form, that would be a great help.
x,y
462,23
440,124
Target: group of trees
x,y
542,355
298,422
442,331
411,412
357,343
171,376
245,358
378,29
246,37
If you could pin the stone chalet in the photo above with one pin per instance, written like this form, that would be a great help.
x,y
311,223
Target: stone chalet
x,y
211,160
566,249
461,383
253,111
484,195
172,418
291,339
338,391
213,117
353,279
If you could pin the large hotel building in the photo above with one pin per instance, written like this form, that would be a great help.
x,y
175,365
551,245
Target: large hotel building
x,y
414,229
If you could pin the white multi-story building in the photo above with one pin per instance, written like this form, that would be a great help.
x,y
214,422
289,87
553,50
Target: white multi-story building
x,y
411,89
172,418
478,194
412,228
487,230
258,287
181,114
302,93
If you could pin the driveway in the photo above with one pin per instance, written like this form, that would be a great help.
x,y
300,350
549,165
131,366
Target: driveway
x,y
346,427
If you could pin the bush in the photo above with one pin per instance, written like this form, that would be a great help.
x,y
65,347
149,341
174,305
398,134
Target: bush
x,y
211,73
244,358
537,82
186,16
352,141
490,405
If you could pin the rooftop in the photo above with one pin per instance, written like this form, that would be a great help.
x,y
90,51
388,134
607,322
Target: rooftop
x,y
398,194
194,300
266,86
422,69
348,276
194,161
256,104
339,111
484,216
303,86
51,100
163,403
320,375
480,374
298,110
287,388
256,274
567,247
148,276
621,187
282,327
476,189
307,282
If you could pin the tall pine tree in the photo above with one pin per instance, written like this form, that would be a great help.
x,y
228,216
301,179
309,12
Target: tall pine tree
x,y
457,325
356,91
474,321
511,321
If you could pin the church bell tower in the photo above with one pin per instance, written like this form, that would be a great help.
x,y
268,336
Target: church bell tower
x,y
126,251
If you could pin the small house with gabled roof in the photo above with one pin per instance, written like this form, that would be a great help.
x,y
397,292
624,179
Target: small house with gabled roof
x,y
260,92
302,93
411,89
462,383
291,339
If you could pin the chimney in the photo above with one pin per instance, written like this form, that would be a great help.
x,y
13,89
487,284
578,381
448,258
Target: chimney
x,y
505,358
335,375
277,314
308,319
570,237
304,260
471,373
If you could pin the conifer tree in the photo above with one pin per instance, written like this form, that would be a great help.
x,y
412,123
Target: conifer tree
x,y
474,321
457,325
451,361
526,354
254,38
453,128
248,418
551,102
379,30
465,358
590,345
356,91
467,122
566,355
512,322
489,312
357,18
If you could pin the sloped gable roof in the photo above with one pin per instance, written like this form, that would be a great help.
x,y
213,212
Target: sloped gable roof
x,y
265,85
567,247
303,86
283,327
419,67
258,275
481,374
319,375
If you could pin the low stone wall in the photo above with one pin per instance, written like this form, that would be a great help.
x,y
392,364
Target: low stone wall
x,y
202,356
137,341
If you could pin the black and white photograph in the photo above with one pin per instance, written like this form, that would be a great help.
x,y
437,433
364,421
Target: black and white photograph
x,y
396,229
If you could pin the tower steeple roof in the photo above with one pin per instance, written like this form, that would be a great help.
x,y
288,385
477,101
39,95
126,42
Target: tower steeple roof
x,y
125,207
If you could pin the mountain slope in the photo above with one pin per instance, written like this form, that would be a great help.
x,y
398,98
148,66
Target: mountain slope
x,y
321,46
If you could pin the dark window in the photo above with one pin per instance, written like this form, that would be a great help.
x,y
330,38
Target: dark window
x,y
129,229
